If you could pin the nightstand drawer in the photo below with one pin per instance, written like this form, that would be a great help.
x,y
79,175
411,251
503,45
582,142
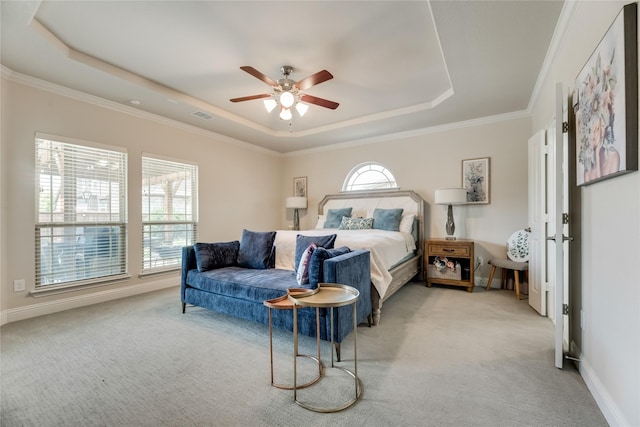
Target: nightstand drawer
x,y
449,250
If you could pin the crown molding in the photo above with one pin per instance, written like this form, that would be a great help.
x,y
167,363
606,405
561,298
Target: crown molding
x,y
559,34
120,108
499,118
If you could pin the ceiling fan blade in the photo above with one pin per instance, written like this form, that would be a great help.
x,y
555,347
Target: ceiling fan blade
x,y
252,97
309,99
314,79
257,74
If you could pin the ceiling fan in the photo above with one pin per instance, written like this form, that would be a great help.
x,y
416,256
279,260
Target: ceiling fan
x,y
288,93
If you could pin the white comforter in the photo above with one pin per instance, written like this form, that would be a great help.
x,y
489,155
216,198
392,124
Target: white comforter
x,y
387,249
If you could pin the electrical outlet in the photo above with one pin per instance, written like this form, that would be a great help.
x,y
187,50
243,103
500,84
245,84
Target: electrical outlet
x,y
19,285
480,261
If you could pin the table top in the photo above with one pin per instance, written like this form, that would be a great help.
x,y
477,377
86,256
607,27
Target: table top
x,y
283,303
326,295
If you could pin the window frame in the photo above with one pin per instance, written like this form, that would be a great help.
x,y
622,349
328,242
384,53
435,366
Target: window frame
x,y
92,229
166,258
367,168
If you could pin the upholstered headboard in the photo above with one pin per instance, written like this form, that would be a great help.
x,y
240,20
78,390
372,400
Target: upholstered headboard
x,y
363,203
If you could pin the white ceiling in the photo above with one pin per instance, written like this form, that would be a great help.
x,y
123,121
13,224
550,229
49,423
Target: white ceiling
x,y
398,66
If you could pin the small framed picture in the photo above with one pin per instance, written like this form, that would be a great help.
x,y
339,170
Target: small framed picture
x,y
475,179
300,186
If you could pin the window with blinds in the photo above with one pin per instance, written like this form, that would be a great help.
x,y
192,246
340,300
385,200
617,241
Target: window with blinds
x,y
169,212
369,176
81,213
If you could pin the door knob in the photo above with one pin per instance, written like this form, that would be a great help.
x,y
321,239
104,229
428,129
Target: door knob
x,y
564,238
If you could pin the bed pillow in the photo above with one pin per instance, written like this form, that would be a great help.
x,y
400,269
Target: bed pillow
x,y
210,256
302,273
320,223
356,223
387,219
256,249
334,217
406,223
303,242
316,264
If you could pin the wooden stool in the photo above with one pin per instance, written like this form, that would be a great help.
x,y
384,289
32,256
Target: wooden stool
x,y
507,264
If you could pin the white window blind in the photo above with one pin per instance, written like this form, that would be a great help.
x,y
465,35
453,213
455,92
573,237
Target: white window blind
x,y
369,176
169,212
81,213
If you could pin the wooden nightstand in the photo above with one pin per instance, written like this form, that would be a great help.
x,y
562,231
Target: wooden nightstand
x,y
460,252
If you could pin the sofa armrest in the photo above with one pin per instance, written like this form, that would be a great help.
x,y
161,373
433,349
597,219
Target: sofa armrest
x,y
188,263
353,269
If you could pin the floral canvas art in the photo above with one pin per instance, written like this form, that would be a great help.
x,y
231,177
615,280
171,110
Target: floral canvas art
x,y
605,134
475,179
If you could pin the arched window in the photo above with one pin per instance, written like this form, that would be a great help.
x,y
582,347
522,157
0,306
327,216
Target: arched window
x,y
369,176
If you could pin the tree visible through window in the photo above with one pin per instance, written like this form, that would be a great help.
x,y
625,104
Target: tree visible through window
x,y
169,212
81,213
369,176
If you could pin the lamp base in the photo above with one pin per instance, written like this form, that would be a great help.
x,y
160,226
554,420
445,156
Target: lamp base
x,y
450,238
296,220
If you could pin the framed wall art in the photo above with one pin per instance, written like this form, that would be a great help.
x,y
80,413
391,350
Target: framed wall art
x,y
606,108
300,186
475,179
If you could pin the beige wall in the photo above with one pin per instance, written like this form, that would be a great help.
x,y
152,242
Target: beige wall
x,y
611,242
229,197
430,161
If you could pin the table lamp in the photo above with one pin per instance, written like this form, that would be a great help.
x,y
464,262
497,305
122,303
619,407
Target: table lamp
x,y
296,203
451,196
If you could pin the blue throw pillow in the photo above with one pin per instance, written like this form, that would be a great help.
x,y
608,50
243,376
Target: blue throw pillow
x,y
210,256
387,219
256,249
334,217
303,242
316,264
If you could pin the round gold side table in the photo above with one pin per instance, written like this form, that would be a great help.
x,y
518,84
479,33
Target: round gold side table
x,y
283,303
326,295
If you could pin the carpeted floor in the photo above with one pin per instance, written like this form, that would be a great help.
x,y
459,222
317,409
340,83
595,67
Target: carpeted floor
x,y
440,357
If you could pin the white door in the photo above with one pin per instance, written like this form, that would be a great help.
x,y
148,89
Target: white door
x,y
561,248
537,223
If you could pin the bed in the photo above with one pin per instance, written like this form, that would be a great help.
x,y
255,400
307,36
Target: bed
x,y
396,256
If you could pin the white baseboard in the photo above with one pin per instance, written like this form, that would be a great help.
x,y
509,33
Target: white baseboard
x,y
50,307
604,401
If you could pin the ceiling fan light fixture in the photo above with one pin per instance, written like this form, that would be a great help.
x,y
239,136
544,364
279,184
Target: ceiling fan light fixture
x,y
302,108
285,114
287,99
270,104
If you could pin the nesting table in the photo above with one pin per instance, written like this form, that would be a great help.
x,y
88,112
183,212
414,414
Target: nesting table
x,y
326,295
283,303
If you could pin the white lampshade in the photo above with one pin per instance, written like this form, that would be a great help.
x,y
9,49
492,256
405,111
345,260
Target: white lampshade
x,y
451,196
296,202
285,114
287,99
270,104
302,108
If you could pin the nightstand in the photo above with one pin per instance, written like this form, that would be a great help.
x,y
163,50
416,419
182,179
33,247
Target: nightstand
x,y
459,252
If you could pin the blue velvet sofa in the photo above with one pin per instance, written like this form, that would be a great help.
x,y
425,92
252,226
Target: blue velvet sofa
x,y
217,276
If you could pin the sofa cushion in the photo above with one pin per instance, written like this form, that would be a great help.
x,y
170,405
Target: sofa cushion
x,y
256,249
334,217
210,256
387,219
244,283
316,272
303,242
